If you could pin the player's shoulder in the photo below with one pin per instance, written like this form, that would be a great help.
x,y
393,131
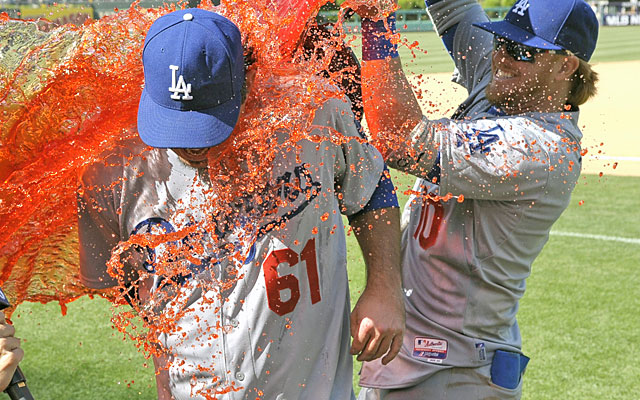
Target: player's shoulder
x,y
549,127
109,164
519,124
534,134
316,95
333,109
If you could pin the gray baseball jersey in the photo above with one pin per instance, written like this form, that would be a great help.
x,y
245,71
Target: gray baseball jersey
x,y
465,260
275,326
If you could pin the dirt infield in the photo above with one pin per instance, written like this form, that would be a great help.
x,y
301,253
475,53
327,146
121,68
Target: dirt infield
x,y
610,135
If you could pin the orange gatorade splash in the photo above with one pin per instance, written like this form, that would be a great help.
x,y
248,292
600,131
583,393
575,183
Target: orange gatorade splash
x,y
70,95
67,95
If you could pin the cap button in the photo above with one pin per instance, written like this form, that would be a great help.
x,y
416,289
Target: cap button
x,y
187,17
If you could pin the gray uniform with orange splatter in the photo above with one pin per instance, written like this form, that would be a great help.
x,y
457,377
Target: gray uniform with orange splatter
x,y
274,323
465,260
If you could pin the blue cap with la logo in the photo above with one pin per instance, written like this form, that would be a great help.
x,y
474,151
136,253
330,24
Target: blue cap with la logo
x,y
194,72
550,24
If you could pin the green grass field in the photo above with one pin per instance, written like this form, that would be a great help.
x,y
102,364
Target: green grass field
x,y
579,318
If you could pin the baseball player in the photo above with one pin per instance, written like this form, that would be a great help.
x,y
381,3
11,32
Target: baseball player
x,y
249,298
509,156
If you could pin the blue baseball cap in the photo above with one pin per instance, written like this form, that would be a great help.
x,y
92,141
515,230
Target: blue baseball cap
x,y
550,24
193,72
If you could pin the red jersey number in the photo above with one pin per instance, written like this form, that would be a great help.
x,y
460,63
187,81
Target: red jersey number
x,y
429,225
276,284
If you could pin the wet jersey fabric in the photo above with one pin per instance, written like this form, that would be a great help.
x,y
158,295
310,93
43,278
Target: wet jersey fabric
x,y
281,316
465,260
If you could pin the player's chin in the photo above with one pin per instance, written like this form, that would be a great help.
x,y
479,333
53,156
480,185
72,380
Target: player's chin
x,y
197,164
193,157
495,95
502,96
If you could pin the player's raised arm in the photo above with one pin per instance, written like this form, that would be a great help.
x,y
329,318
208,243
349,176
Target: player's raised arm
x,y
391,108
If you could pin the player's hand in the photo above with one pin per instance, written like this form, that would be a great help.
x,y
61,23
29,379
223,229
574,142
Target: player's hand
x,y
377,324
10,352
372,9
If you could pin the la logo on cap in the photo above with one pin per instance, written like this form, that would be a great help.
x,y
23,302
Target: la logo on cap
x,y
182,86
520,7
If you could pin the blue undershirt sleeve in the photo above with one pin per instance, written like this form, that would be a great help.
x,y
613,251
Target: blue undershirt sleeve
x,y
383,197
447,39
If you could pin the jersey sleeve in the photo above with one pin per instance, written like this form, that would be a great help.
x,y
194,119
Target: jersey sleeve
x,y
469,46
98,225
358,166
385,194
492,159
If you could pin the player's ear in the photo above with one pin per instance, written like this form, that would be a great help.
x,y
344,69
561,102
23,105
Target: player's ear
x,y
249,78
570,64
249,71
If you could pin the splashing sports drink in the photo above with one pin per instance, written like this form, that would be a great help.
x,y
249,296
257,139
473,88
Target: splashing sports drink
x,y
68,95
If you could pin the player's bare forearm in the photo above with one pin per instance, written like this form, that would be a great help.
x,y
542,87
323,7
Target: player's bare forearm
x,y
161,363
390,106
378,234
377,320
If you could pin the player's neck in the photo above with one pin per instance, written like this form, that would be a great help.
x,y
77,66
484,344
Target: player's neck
x,y
537,105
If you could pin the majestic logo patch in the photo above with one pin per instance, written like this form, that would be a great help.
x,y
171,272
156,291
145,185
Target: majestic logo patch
x,y
180,86
520,7
482,352
432,350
